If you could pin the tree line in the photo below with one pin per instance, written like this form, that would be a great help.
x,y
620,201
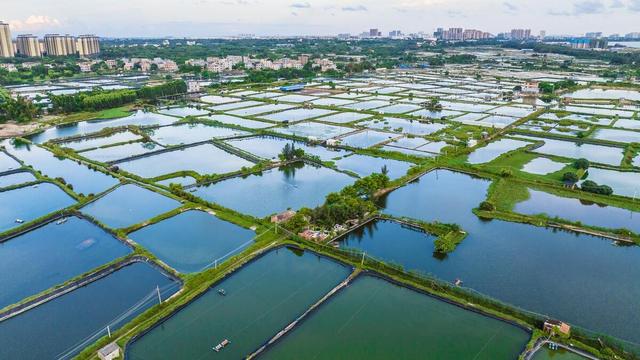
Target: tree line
x,y
99,99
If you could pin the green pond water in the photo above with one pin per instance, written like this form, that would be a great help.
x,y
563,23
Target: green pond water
x,y
261,299
375,319
560,354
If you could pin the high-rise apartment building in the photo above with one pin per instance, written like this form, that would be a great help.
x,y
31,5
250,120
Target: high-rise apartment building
x,y
471,34
28,45
88,45
520,34
60,45
6,45
374,33
453,34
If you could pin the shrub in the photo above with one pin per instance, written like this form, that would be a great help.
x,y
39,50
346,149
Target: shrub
x,y
593,187
487,206
570,177
581,164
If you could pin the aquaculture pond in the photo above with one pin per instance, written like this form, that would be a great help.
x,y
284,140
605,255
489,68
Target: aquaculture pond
x,y
260,299
255,110
621,136
191,133
193,240
366,165
573,150
296,115
561,354
94,142
542,166
67,324
29,203
586,212
7,163
314,130
128,205
114,153
269,147
627,124
84,180
140,118
404,126
276,190
494,150
246,123
344,117
625,183
72,248
16,179
609,94
366,138
184,111
590,266
203,159
375,319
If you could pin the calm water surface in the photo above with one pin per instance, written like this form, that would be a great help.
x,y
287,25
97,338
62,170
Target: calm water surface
x,y
518,263
276,190
128,205
31,202
62,325
55,253
261,299
192,240
375,319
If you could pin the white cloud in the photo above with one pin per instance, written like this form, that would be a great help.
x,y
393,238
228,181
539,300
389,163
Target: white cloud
x,y
35,22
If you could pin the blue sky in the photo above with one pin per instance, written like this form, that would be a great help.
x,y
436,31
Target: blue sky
x,y
210,18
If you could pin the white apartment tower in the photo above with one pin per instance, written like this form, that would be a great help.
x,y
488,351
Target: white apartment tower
x,y
28,45
6,46
60,45
88,45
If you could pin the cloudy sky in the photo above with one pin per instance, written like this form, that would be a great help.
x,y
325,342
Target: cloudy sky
x,y
210,18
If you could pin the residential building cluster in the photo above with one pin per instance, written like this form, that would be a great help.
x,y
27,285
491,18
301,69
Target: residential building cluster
x,y
146,65
520,34
51,45
218,64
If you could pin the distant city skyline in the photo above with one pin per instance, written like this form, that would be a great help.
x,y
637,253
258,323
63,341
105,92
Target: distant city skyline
x,y
213,18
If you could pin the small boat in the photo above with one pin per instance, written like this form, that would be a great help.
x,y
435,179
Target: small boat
x,y
222,292
61,221
19,221
458,282
221,346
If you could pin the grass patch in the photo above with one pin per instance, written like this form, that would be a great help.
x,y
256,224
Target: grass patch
x,y
505,194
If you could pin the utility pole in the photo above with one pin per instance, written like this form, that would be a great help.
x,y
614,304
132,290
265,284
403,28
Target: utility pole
x,y
158,291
